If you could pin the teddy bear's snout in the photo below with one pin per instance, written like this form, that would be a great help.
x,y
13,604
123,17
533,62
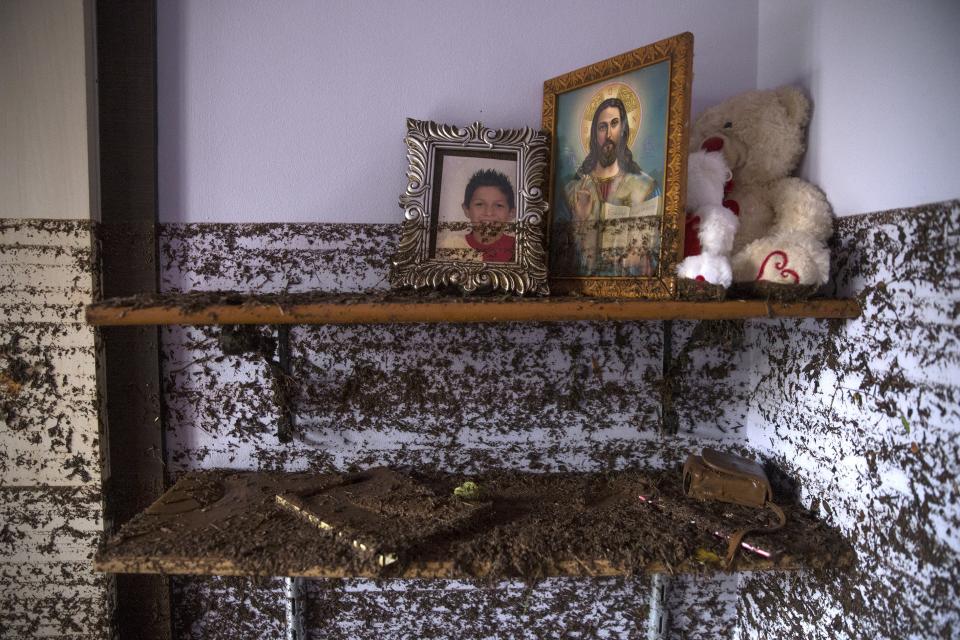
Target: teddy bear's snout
x,y
732,148
713,143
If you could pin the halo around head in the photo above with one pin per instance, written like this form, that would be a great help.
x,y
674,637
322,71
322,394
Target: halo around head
x,y
613,90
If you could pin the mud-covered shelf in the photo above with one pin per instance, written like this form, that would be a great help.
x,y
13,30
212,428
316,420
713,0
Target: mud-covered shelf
x,y
522,524
202,308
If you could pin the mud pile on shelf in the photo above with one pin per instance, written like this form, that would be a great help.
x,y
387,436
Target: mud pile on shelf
x,y
382,513
535,525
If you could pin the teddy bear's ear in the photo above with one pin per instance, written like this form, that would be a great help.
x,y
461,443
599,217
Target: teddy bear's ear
x,y
796,104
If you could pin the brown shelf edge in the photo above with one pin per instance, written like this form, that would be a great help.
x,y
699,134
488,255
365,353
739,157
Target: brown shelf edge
x,y
418,570
479,311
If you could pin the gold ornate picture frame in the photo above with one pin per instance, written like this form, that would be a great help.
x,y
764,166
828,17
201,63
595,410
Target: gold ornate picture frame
x,y
617,178
474,210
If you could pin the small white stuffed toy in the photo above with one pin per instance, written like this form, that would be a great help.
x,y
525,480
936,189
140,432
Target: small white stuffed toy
x,y
710,226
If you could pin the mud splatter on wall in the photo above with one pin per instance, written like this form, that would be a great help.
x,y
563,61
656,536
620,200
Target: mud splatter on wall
x,y
50,472
532,396
818,400
861,419
449,608
865,416
539,396
227,607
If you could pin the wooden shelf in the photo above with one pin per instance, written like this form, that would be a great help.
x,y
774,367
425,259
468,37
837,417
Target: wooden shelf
x,y
229,523
318,308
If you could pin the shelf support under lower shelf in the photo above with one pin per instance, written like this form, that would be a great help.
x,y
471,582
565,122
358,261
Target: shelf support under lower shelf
x,y
293,608
658,624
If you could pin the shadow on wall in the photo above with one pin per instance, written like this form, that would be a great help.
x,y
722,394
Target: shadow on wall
x,y
173,165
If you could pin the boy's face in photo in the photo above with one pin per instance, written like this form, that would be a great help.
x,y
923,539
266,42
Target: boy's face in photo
x,y
488,204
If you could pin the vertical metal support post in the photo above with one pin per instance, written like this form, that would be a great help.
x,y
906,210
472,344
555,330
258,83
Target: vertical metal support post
x,y
130,380
669,420
288,415
658,624
293,587
294,592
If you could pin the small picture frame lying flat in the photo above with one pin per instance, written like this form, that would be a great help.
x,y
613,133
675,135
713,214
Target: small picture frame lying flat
x,y
474,210
618,172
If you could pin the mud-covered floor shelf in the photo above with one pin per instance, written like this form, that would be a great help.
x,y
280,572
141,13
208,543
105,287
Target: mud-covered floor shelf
x,y
203,308
522,524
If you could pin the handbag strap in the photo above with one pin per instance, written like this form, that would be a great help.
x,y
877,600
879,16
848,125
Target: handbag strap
x,y
738,535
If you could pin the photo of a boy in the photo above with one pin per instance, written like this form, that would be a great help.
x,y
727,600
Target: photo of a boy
x,y
489,205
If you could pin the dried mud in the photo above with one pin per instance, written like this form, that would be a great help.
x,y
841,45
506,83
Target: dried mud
x,y
228,607
689,289
858,416
773,291
863,416
437,609
533,525
50,492
464,399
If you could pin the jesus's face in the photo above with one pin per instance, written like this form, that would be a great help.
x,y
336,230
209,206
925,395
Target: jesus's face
x,y
609,128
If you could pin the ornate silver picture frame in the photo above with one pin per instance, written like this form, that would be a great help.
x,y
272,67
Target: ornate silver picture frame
x,y
474,209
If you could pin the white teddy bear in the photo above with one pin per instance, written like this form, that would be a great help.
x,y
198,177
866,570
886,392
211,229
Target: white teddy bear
x,y
710,227
780,247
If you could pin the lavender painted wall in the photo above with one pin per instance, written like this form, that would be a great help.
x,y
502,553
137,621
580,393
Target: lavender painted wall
x,y
294,111
885,85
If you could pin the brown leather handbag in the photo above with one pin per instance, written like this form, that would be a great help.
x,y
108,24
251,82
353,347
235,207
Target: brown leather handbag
x,y
714,475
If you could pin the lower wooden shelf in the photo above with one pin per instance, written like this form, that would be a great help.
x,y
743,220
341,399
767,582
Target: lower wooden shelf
x,y
530,525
